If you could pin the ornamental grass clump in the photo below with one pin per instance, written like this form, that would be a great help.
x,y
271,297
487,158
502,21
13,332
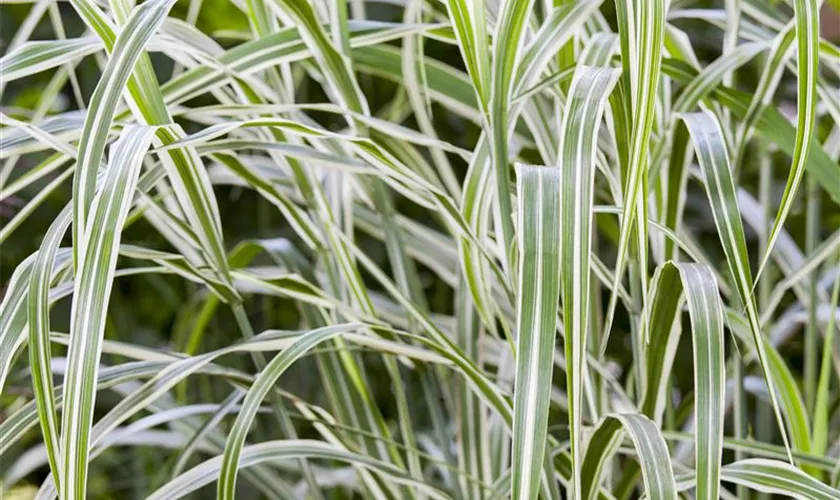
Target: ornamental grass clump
x,y
420,249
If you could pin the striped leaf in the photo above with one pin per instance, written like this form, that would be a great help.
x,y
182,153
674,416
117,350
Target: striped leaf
x,y
642,26
578,145
39,336
697,283
806,13
102,108
713,157
255,396
97,262
508,40
34,57
771,476
376,170
209,470
538,231
651,452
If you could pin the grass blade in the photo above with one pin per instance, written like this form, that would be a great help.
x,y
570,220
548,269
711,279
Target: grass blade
x,y
806,13
102,108
697,283
772,476
539,290
97,261
39,337
588,96
508,40
714,161
208,471
642,27
255,396
651,452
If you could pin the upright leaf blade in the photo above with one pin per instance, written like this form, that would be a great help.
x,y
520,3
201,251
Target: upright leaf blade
x,y
588,96
103,106
806,13
507,46
651,452
98,249
39,336
538,213
641,29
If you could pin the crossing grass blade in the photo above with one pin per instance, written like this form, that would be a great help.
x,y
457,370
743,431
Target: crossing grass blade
x,y
34,57
102,108
651,452
713,157
206,472
253,399
770,78
772,476
641,30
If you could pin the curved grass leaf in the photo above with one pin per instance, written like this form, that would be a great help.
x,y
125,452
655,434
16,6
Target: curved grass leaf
x,y
584,108
806,13
651,452
642,27
208,471
771,476
713,157
39,337
102,108
698,285
97,262
255,396
34,57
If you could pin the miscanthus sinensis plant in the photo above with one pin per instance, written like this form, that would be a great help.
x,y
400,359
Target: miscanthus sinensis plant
x,y
419,249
